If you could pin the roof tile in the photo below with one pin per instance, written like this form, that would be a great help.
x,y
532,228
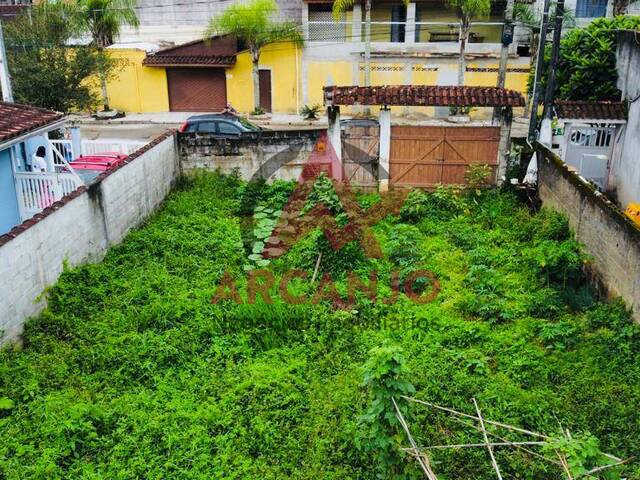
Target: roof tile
x,y
585,110
423,95
204,60
17,119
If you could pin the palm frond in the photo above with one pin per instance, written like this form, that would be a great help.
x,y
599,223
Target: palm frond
x,y
340,7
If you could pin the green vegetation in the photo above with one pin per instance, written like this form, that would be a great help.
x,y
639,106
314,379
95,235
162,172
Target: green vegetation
x,y
45,70
133,373
587,63
253,24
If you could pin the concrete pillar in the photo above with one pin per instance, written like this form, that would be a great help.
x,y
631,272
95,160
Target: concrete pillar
x,y
76,141
410,28
333,131
504,145
385,149
305,22
356,27
47,145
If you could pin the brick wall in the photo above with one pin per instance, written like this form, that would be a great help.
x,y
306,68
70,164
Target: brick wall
x,y
278,153
80,228
609,237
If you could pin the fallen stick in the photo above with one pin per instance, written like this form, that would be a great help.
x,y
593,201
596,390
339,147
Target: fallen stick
x,y
473,445
315,270
414,446
490,422
486,440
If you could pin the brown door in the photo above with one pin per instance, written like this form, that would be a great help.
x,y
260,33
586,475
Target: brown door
x,y
360,155
197,89
429,156
264,77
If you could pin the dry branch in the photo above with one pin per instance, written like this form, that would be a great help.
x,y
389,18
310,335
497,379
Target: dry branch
x,y
486,440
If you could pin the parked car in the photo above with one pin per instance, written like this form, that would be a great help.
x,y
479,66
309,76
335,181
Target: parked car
x,y
222,125
90,166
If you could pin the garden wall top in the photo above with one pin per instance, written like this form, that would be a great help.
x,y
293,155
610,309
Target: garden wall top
x,y
423,95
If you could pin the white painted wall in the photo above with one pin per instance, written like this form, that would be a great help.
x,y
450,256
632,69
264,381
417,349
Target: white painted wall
x,y
80,231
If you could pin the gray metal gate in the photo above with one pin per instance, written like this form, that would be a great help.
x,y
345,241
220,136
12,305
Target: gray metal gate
x,y
588,150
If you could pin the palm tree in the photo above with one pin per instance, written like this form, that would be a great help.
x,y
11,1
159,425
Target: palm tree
x,y
252,24
103,19
342,6
466,10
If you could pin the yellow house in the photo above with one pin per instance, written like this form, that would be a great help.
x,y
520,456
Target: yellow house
x,y
412,44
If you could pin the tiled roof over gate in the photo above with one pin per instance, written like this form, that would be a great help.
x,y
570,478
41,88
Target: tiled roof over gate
x,y
17,119
583,110
431,95
190,60
215,52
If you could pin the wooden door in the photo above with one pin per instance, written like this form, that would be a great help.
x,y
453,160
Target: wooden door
x,y
360,155
264,78
424,156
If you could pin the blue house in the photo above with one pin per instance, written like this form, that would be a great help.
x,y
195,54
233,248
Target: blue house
x,y
24,192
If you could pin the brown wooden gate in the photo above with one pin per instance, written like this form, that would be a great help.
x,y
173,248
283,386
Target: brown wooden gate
x,y
194,89
360,154
425,157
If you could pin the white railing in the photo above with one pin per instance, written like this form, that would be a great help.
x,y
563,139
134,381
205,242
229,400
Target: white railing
x,y
62,148
397,31
36,191
90,147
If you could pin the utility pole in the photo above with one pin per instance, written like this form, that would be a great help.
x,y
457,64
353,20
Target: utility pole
x,y
507,39
367,47
555,54
5,79
544,23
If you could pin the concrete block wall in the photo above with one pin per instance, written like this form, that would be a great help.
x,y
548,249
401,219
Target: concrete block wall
x,y
268,154
79,229
609,237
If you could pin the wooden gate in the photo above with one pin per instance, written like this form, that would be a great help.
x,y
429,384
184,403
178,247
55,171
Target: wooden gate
x,y
425,157
361,153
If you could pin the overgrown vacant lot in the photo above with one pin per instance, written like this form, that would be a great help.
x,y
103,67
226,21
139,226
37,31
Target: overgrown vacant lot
x,y
132,372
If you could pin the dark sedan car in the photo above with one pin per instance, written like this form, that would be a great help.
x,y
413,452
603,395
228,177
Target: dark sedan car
x,y
223,125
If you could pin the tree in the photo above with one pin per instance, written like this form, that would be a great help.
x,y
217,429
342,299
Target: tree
x,y
587,65
466,10
252,24
103,19
342,6
45,70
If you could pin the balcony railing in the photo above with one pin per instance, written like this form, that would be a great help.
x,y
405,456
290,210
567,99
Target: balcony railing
x,y
397,32
37,191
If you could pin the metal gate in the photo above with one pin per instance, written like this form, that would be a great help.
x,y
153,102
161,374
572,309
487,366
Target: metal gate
x,y
425,157
197,89
588,150
361,153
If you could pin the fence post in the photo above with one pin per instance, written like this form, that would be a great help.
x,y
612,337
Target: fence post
x,y
333,131
385,149
504,145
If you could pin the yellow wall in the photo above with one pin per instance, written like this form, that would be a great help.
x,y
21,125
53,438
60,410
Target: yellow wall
x,y
285,68
144,89
136,88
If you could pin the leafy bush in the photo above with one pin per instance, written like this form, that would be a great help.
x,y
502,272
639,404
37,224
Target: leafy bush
x,y
132,372
587,63
310,112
